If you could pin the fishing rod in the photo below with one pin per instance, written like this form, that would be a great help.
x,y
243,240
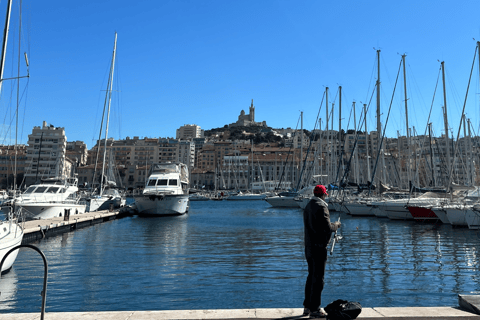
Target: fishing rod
x,y
335,238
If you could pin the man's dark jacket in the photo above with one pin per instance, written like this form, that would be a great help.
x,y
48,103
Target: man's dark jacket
x,y
318,228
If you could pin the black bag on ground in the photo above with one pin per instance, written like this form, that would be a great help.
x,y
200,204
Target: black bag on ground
x,y
343,310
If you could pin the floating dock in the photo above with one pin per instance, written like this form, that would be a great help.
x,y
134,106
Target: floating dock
x,y
420,313
39,229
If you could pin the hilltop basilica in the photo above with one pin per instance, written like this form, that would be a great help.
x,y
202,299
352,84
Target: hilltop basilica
x,y
248,120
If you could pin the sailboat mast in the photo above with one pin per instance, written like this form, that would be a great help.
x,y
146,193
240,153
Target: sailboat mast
x,y
109,95
379,125
407,158
327,149
434,183
340,162
445,119
466,178
5,40
366,142
301,148
355,152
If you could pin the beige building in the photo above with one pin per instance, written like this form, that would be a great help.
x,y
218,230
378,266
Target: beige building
x,y
7,165
189,131
46,152
77,151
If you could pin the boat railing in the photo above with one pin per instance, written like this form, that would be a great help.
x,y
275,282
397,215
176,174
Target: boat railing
x,y
158,192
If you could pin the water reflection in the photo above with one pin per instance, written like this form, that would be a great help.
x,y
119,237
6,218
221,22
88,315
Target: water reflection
x,y
8,290
247,255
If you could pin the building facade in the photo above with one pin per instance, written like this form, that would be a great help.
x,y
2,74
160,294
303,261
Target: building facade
x,y
46,152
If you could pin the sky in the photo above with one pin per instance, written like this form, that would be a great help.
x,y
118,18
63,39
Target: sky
x,y
202,62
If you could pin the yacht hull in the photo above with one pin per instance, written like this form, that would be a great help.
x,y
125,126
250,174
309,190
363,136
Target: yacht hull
x,y
422,213
282,202
98,204
45,210
457,217
359,209
10,240
473,219
162,205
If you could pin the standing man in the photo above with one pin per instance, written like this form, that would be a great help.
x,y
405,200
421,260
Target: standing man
x,y
318,230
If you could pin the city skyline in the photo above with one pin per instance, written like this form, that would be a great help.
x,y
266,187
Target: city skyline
x,y
185,62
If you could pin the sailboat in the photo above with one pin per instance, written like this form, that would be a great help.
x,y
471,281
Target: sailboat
x,y
11,232
108,196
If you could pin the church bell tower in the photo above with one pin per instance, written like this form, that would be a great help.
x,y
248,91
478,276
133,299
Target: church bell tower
x,y
252,112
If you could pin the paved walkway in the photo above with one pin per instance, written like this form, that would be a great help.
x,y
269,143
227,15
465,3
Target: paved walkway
x,y
421,313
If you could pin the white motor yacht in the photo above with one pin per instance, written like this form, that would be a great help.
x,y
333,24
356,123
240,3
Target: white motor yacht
x,y
53,197
166,191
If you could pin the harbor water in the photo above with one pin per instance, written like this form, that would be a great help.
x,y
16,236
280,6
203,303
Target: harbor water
x,y
235,255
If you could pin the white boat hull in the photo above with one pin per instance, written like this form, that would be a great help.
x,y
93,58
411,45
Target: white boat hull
x,y
247,197
456,216
359,209
397,212
102,203
162,205
473,219
9,240
45,210
285,202
441,214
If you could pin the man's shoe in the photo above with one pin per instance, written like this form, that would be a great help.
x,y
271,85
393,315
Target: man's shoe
x,y
306,311
318,314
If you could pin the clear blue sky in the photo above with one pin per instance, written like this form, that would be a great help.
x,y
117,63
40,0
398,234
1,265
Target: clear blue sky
x,y
201,62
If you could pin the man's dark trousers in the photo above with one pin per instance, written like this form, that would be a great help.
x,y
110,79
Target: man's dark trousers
x,y
317,260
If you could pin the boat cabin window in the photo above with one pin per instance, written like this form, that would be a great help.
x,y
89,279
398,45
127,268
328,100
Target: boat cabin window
x,y
29,190
172,182
63,190
41,189
52,189
162,182
151,182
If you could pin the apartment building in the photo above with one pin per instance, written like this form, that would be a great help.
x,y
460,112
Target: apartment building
x,y
7,165
46,152
189,132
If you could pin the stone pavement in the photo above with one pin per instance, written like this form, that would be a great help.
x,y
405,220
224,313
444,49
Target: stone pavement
x,y
418,313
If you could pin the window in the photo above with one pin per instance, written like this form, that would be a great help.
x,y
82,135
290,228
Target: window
x,y
40,189
151,182
162,182
172,182
52,189
29,190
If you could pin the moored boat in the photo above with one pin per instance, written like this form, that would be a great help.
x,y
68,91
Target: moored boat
x,y
422,213
166,191
11,235
53,197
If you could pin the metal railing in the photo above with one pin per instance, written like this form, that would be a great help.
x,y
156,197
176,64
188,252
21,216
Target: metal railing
x,y
45,274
